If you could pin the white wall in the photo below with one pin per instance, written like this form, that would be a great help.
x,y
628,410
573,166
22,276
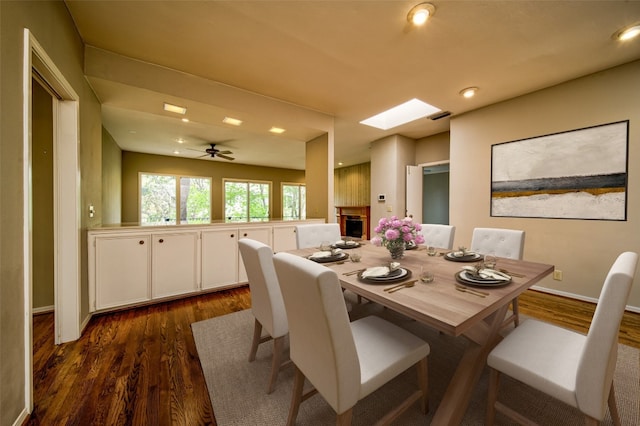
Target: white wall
x,y
583,249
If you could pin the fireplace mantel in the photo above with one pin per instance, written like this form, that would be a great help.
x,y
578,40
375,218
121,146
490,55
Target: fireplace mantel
x,y
344,213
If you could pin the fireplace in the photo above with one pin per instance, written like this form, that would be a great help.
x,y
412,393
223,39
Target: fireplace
x,y
354,221
353,226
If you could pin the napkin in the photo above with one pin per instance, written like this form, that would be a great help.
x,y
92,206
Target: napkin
x,y
488,274
378,271
461,254
320,254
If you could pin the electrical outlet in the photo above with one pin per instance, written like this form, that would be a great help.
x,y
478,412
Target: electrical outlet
x,y
557,275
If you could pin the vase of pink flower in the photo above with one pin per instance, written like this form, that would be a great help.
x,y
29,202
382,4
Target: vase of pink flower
x,y
395,234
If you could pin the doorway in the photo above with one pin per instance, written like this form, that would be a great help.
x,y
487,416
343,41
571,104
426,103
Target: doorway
x,y
435,194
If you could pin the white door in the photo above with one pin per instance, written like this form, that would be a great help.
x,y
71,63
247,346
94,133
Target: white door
x,y
413,199
219,258
262,234
175,264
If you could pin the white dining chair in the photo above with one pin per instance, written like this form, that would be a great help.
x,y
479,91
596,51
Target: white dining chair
x,y
343,361
267,305
574,368
500,242
436,235
312,234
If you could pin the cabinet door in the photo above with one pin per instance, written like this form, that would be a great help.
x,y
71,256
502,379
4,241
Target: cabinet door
x,y
175,264
262,234
123,270
219,258
284,238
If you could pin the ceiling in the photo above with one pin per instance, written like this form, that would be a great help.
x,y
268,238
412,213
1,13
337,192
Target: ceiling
x,y
287,63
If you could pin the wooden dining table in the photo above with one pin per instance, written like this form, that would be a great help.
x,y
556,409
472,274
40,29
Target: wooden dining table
x,y
440,305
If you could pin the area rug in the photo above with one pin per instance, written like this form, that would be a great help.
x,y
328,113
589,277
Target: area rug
x,y
237,388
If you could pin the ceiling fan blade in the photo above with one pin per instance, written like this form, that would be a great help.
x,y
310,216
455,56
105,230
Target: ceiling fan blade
x,y
225,157
225,152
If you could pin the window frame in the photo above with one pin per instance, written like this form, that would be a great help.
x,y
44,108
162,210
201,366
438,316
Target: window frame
x,y
248,212
178,178
303,212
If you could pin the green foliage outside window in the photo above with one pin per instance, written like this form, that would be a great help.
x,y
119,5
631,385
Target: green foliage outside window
x,y
246,201
159,195
294,202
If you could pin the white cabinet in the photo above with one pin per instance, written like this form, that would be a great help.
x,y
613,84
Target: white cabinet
x,y
284,238
122,270
175,264
219,257
221,262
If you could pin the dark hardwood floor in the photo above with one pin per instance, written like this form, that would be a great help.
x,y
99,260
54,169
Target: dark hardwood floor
x,y
140,366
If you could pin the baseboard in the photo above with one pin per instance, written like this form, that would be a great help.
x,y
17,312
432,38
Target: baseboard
x,y
24,415
629,308
43,310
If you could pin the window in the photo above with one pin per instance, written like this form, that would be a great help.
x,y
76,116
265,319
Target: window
x,y
163,198
294,201
246,201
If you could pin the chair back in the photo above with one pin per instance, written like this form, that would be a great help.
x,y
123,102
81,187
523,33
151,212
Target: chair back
x,y
320,338
311,235
266,298
598,361
499,242
436,235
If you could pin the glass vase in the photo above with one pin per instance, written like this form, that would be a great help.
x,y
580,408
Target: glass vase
x,y
396,251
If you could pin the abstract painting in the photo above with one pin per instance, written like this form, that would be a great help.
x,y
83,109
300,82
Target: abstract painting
x,y
578,174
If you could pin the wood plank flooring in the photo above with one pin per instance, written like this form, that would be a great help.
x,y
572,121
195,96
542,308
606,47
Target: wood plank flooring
x,y
140,366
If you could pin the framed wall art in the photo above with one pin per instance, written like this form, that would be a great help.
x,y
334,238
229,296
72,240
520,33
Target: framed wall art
x,y
577,174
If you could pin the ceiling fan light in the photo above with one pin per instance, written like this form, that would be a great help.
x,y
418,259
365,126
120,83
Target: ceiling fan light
x,y
277,130
628,33
420,13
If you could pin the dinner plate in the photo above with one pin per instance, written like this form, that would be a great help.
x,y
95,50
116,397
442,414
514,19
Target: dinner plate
x,y
393,276
473,257
346,246
331,258
466,277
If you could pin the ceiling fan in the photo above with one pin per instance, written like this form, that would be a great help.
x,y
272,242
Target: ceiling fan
x,y
215,152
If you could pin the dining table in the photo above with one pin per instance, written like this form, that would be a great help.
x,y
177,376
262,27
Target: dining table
x,y
475,312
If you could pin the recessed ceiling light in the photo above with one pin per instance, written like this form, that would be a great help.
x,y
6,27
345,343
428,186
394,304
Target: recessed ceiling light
x,y
628,33
419,13
277,130
174,108
176,152
180,140
469,92
232,121
186,120
401,114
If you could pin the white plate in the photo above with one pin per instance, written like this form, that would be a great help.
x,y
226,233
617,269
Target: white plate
x,y
395,275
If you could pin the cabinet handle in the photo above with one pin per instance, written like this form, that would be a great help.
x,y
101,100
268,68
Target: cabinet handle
x,y
141,242
161,240
233,235
245,234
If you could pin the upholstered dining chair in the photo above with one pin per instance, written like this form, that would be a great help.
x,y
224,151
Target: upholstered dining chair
x,y
500,242
267,305
343,361
437,235
312,234
574,368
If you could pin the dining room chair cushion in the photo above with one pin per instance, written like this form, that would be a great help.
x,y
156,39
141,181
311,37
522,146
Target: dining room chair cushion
x,y
312,234
343,361
437,235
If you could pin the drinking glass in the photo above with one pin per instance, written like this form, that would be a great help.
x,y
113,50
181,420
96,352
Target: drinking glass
x,y
426,276
431,251
325,246
490,261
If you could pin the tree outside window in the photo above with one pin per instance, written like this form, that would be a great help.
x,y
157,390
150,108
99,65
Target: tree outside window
x,y
162,200
246,201
294,201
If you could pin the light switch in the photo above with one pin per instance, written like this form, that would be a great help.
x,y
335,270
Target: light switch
x,y
92,210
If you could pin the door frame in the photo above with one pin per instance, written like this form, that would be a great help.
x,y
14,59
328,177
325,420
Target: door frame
x,y
66,203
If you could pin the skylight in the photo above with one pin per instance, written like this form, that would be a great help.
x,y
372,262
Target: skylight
x,y
401,114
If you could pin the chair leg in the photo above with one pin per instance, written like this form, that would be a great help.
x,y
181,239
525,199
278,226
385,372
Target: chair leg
x,y
296,398
276,361
257,332
613,407
492,396
423,381
344,419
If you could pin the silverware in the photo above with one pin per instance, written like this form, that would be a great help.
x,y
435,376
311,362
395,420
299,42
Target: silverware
x,y
400,286
357,271
513,274
471,291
